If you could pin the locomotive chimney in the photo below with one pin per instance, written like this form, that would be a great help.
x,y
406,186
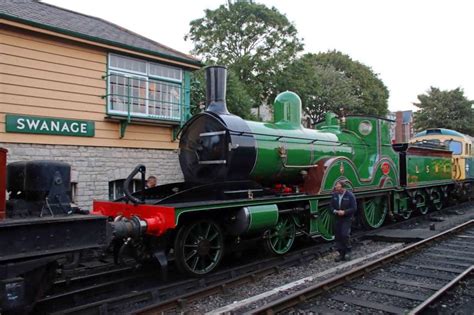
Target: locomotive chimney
x,y
216,80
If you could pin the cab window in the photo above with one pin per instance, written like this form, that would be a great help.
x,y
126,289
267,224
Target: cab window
x,y
455,146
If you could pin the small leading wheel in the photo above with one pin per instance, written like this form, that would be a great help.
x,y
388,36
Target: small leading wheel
x,y
421,204
436,200
199,247
282,236
374,212
326,223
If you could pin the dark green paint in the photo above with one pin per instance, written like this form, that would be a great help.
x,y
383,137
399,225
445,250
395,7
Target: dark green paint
x,y
262,217
422,170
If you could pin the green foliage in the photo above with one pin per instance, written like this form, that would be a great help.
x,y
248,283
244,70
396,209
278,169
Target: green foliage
x,y
238,99
330,81
254,41
444,109
321,88
365,83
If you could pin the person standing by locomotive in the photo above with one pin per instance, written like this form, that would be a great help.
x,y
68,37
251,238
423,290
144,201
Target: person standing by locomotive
x,y
343,206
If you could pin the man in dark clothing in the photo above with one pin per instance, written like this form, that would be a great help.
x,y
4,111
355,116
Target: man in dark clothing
x,y
343,206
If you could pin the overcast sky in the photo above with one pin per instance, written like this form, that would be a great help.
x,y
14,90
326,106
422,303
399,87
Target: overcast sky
x,y
411,44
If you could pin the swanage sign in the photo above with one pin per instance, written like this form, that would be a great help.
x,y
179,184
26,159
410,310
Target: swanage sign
x,y
50,126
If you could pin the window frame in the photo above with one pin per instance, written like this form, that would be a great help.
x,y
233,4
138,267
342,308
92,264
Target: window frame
x,y
135,187
458,143
147,77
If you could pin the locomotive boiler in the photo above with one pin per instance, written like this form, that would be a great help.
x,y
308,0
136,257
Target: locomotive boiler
x,y
218,146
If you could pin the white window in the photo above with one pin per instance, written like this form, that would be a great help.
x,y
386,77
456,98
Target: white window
x,y
73,195
116,188
144,89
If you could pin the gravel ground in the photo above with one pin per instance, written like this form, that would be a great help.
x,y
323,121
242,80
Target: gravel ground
x,y
316,266
284,277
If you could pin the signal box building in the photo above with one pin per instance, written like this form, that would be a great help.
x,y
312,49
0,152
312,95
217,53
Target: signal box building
x,y
82,90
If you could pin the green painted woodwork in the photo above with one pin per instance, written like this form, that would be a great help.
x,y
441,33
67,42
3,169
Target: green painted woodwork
x,y
282,236
262,217
427,170
186,90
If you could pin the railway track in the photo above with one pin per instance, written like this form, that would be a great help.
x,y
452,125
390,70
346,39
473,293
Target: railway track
x,y
123,290
407,281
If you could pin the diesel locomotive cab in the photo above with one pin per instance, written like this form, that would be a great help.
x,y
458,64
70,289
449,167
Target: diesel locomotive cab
x,y
216,145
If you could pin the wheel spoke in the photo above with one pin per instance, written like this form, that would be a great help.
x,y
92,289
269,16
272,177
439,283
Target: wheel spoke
x,y
195,262
213,237
199,247
206,235
374,212
190,255
190,246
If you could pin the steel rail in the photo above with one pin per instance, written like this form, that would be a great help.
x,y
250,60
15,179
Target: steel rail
x,y
441,292
319,288
232,277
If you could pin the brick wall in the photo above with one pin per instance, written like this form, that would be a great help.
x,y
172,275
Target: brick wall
x,y
93,167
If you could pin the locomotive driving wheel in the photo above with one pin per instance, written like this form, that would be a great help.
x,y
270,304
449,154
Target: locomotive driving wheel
x,y
326,223
436,199
199,247
421,204
374,211
282,236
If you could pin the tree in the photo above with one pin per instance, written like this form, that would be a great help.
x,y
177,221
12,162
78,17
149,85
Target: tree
x,y
444,109
254,41
321,88
238,100
365,83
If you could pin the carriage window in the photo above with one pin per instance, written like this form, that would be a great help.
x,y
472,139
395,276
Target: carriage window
x,y
455,146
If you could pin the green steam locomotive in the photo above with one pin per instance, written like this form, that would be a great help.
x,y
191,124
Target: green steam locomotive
x,y
272,181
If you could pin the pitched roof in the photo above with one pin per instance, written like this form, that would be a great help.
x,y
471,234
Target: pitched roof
x,y
61,20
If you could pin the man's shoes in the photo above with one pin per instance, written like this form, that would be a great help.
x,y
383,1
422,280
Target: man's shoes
x,y
339,258
347,257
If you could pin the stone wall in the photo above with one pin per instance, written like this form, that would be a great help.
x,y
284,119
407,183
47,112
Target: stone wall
x,y
93,167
